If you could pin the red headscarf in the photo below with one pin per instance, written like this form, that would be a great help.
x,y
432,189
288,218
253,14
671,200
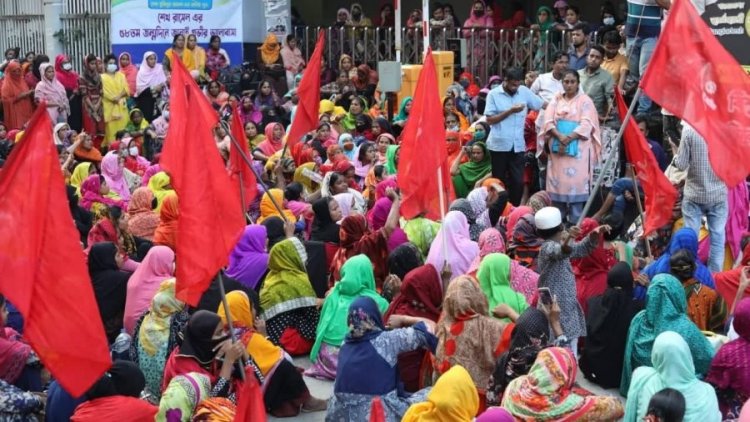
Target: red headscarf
x,y
166,233
357,239
130,72
113,408
591,271
472,89
421,295
68,78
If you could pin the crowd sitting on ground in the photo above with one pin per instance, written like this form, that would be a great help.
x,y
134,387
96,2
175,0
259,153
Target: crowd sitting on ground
x,y
486,315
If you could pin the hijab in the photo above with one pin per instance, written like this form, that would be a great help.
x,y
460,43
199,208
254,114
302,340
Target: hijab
x,y
149,77
166,232
270,50
248,261
68,78
90,194
666,308
274,231
453,398
13,85
155,329
459,250
516,215
182,396
550,23
357,280
464,207
540,200
672,368
356,238
403,259
390,164
421,295
130,71
143,220
124,378
157,266
198,337
377,219
730,369
80,173
287,286
270,145
494,279
110,284
402,114
471,171
114,175
268,209
51,91
324,229
158,185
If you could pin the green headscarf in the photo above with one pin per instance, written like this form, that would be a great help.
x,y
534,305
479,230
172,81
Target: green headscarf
x,y
666,310
390,160
470,173
357,279
183,394
494,279
287,286
349,122
550,18
673,368
421,232
401,116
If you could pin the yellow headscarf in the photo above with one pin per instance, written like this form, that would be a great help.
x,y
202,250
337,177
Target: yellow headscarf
x,y
453,398
267,209
263,352
154,333
328,107
306,182
158,185
80,173
270,50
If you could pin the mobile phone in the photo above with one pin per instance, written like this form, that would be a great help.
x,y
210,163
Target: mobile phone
x,y
545,296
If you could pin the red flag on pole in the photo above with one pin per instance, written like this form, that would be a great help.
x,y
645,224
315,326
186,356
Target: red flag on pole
x,y
44,269
423,150
250,406
377,413
694,77
238,168
211,220
659,192
306,116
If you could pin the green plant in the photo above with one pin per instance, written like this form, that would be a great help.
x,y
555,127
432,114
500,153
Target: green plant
x,y
66,38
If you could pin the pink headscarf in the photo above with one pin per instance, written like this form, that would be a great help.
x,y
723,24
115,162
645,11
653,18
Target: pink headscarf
x,y
13,354
114,175
730,369
513,218
90,194
382,186
52,91
144,283
459,249
377,218
148,77
271,146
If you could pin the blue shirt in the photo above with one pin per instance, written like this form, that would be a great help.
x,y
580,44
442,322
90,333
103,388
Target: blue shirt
x,y
507,135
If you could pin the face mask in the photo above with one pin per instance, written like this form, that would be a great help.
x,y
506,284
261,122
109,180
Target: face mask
x,y
464,84
479,13
356,15
133,151
609,21
67,66
111,68
165,113
494,85
453,128
478,136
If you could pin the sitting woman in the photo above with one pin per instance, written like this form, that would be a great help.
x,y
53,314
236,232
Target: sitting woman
x,y
273,142
672,368
166,232
367,366
110,286
142,220
468,335
248,262
160,185
607,325
453,398
453,239
114,228
420,295
182,396
525,244
141,131
547,392
666,310
357,279
467,175
157,266
96,197
730,369
494,279
116,395
706,308
156,334
285,390
20,365
287,297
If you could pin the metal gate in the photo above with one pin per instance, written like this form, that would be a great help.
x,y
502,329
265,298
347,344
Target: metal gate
x,y
86,25
22,23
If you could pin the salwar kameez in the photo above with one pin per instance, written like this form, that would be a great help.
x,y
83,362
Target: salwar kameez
x,y
115,112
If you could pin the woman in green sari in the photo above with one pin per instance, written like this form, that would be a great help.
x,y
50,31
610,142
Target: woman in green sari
x,y
403,112
466,176
357,108
357,279
288,299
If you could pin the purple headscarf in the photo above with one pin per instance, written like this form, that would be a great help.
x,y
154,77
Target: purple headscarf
x,y
377,218
249,260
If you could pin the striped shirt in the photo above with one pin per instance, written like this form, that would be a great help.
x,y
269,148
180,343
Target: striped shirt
x,y
644,19
702,186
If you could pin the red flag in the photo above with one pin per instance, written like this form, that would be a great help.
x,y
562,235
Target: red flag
x,y
211,220
250,407
659,192
694,77
44,270
423,150
238,168
306,116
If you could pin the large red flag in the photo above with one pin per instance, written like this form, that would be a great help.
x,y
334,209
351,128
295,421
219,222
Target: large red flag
x,y
238,168
44,270
250,406
306,116
694,77
659,192
423,150
210,221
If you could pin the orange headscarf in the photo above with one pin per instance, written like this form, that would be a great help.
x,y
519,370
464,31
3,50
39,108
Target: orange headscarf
x,y
16,113
270,50
267,209
166,233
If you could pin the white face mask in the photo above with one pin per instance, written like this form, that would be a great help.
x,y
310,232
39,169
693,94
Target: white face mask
x,y
609,21
111,68
165,113
133,151
453,128
67,66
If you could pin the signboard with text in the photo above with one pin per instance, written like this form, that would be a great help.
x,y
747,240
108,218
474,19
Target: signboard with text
x,y
151,25
729,20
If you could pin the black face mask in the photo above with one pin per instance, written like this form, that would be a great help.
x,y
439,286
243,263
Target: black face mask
x,y
479,13
356,16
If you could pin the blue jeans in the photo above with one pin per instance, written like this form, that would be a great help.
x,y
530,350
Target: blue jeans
x,y
717,215
618,191
640,51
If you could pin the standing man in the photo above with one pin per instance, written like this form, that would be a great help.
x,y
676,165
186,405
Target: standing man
x,y
579,49
614,62
704,193
506,110
642,29
597,83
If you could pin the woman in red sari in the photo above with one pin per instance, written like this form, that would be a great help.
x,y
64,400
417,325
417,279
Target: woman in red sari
x,y
17,97
591,271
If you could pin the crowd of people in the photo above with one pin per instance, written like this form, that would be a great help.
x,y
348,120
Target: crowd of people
x,y
487,315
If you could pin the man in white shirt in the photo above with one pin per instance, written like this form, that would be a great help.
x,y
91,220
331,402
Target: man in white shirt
x,y
546,86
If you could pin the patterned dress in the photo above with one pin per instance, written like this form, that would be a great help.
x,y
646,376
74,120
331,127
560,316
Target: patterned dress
x,y
17,405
